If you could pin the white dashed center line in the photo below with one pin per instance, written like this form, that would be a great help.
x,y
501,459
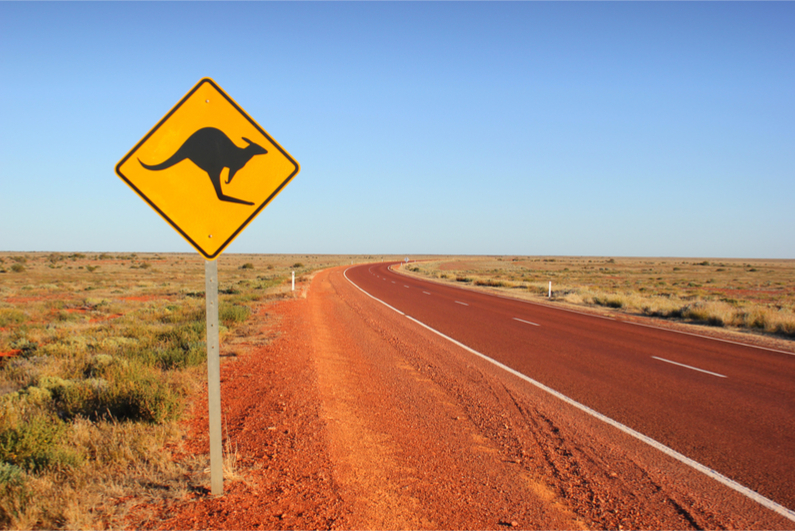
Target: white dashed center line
x,y
526,322
689,367
461,303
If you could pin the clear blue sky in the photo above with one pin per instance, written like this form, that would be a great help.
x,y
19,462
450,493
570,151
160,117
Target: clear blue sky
x,y
619,129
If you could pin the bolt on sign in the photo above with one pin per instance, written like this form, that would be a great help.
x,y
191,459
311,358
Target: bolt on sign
x,y
207,168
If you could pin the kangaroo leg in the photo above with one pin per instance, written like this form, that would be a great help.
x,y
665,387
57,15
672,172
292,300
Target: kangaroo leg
x,y
215,177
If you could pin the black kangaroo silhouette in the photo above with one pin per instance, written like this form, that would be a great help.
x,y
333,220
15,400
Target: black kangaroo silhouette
x,y
212,151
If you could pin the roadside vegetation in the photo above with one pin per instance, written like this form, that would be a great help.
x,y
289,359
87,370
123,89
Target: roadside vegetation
x,y
749,295
101,355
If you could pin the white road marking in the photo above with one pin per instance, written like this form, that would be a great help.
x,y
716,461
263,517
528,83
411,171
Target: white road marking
x,y
712,338
633,323
461,303
717,476
426,292
405,286
526,322
689,367
345,274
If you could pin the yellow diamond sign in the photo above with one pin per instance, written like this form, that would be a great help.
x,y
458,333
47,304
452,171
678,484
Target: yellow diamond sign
x,y
207,168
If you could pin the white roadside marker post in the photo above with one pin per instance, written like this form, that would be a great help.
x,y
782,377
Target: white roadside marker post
x,y
214,377
550,290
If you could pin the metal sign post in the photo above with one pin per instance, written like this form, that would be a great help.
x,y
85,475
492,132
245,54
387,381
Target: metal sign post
x,y
214,377
177,169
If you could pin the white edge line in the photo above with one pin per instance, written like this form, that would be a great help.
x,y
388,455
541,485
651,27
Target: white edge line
x,y
690,367
717,476
345,274
526,322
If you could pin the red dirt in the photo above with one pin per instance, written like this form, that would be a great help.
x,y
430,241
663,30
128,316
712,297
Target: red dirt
x,y
346,415
105,317
10,353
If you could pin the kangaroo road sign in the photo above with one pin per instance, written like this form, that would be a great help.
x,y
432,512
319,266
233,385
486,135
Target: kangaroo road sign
x,y
207,168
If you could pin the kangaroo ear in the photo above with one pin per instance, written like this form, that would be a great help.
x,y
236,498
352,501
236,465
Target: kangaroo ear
x,y
247,140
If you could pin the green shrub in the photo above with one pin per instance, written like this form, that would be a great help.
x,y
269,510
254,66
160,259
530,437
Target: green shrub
x,y
610,301
34,443
230,314
491,283
176,314
18,268
28,348
10,475
184,337
247,265
229,291
701,314
98,365
131,391
11,316
63,316
174,358
139,394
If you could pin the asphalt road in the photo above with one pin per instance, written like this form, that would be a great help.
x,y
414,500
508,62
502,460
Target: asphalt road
x,y
728,406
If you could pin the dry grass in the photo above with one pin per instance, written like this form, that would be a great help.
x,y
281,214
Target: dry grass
x,y
101,354
752,295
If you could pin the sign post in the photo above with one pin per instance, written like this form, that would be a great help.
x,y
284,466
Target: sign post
x,y
214,377
184,169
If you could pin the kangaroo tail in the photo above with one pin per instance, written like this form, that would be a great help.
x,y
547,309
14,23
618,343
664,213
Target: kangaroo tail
x,y
173,159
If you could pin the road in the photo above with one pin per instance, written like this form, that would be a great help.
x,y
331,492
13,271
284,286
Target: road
x,y
727,406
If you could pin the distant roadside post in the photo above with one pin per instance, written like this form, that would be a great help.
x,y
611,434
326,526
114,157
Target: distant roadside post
x,y
184,169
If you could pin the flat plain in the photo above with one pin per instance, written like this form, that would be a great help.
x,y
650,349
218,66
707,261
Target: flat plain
x,y
102,355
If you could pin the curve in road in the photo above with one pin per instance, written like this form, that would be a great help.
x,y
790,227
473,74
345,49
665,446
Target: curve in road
x,y
724,408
